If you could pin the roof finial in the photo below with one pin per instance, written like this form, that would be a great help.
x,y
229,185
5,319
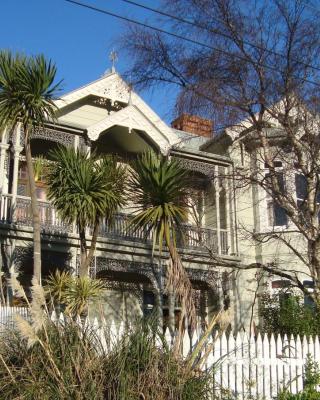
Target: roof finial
x,y
130,94
113,57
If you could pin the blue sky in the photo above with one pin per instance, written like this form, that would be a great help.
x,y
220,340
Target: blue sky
x,y
77,39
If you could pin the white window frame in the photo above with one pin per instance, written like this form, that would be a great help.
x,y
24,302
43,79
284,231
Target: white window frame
x,y
269,201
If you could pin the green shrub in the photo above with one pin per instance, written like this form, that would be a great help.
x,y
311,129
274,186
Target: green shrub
x,y
310,382
285,313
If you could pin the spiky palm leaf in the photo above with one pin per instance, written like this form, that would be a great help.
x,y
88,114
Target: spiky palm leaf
x,y
57,284
80,291
85,190
27,89
27,93
158,187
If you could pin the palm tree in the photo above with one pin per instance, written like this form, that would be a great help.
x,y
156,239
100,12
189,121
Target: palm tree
x,y
85,190
27,93
74,293
158,187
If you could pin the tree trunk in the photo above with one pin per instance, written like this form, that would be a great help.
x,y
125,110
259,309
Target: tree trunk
x,y
179,283
83,252
92,247
314,258
34,208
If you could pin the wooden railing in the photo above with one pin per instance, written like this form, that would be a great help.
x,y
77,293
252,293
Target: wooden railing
x,y
18,211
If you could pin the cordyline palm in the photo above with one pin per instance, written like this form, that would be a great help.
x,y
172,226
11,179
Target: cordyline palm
x,y
85,191
27,92
74,292
158,187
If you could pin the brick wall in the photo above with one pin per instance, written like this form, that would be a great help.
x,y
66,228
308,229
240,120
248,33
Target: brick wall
x,y
193,124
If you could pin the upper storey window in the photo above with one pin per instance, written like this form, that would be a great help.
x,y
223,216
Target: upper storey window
x,y
302,195
276,214
23,187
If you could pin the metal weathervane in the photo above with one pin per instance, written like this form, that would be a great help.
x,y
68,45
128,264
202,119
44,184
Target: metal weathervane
x,y
113,57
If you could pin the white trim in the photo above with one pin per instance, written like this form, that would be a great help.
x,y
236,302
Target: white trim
x,y
113,87
132,118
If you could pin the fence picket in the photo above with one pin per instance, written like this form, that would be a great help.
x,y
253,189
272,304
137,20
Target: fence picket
x,y
185,344
292,365
266,367
279,366
273,370
224,382
217,356
299,368
316,348
168,337
305,349
238,364
259,357
231,367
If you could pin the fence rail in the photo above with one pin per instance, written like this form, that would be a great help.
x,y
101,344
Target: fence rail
x,y
247,367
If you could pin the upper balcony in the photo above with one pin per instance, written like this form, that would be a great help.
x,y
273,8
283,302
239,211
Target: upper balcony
x,y
17,213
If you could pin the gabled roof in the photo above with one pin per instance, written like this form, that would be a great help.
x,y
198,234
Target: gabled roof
x,y
135,115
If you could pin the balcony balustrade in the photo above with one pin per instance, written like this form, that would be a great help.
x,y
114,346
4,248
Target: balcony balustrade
x,y
18,212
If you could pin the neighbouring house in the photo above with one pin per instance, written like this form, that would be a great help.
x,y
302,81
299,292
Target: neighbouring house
x,y
107,117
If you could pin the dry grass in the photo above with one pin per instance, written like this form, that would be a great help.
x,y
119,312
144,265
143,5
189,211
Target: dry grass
x,y
45,360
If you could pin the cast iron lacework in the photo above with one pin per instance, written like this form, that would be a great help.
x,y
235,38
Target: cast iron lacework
x,y
54,135
23,256
148,270
196,166
6,165
151,271
210,278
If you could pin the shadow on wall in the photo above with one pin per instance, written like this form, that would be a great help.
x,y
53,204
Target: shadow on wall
x,y
22,259
121,301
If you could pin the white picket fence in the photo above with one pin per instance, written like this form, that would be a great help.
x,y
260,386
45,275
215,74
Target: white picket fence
x,y
248,367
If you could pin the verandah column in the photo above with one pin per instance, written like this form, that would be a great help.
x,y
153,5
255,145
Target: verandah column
x,y
217,201
17,148
232,211
3,152
228,210
5,206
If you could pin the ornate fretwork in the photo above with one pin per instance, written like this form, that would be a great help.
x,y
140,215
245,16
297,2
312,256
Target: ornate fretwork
x,y
211,278
6,165
111,106
147,270
117,90
196,166
22,256
54,135
134,288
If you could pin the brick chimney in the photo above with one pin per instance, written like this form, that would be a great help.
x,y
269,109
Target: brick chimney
x,y
193,124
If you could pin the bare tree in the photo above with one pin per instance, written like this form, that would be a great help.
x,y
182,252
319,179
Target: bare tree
x,y
256,73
